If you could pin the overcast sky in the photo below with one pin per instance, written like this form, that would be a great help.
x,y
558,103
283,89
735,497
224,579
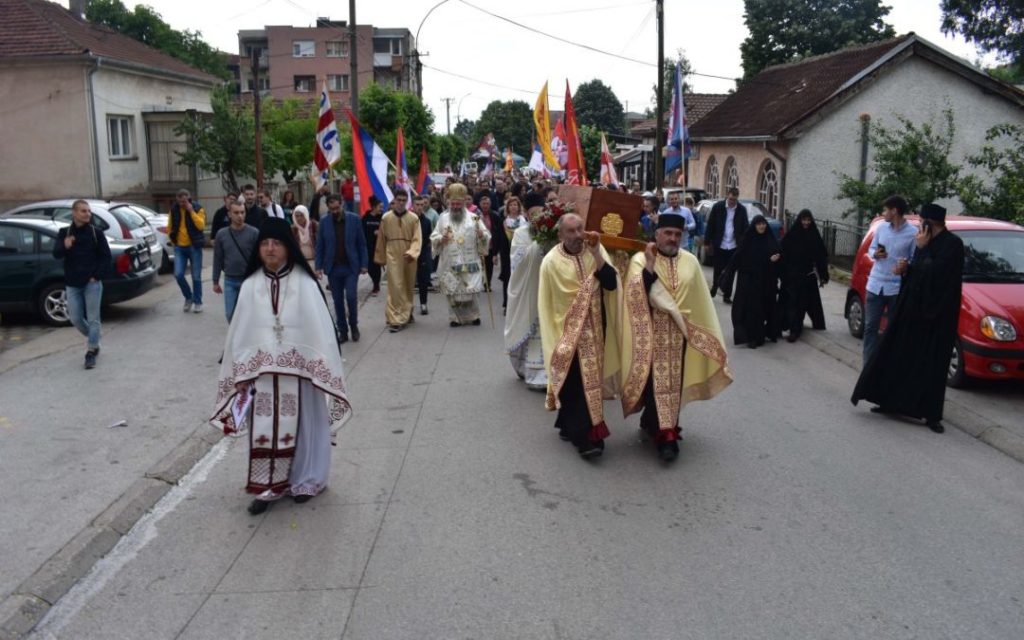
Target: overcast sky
x,y
501,61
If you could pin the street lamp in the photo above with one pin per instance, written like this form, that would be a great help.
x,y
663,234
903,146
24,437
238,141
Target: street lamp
x,y
416,51
458,109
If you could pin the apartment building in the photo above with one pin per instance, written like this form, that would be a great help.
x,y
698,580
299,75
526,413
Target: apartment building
x,y
293,61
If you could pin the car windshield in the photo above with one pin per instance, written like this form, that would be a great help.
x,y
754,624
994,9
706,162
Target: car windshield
x,y
63,214
128,217
993,255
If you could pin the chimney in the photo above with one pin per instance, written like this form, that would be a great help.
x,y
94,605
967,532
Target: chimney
x,y
77,7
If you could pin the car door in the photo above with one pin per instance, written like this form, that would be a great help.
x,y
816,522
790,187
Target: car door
x,y
19,262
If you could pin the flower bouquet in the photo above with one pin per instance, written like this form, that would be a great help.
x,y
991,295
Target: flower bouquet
x,y
543,223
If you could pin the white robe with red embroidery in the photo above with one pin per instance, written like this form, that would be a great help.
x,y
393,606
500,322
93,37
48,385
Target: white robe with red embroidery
x,y
282,342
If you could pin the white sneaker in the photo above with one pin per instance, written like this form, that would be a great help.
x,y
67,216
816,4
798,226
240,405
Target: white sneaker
x,y
197,308
187,307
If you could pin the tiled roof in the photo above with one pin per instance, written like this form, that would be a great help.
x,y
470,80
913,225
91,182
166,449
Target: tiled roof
x,y
698,105
38,28
782,95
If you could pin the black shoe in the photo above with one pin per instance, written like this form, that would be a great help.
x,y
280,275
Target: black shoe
x,y
752,345
302,499
880,409
453,324
256,507
394,328
792,337
668,451
714,291
90,358
343,338
423,309
591,451
936,426
355,334
476,323
727,299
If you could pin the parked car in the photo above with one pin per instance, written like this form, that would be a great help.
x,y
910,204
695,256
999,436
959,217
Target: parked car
x,y
990,334
703,210
117,220
159,223
31,279
696,193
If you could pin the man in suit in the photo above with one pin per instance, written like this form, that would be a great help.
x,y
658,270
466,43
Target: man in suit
x,y
341,254
726,224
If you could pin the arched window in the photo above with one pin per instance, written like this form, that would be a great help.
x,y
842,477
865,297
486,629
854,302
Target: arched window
x,y
768,187
712,179
732,173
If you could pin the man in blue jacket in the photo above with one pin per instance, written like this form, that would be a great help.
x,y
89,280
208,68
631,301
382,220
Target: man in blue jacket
x,y
341,254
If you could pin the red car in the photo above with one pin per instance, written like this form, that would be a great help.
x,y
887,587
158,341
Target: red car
x,y
990,336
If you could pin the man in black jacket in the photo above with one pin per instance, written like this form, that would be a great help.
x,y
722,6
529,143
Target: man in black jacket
x,y
87,258
726,224
255,215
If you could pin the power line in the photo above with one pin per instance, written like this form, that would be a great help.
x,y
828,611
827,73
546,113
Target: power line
x,y
587,10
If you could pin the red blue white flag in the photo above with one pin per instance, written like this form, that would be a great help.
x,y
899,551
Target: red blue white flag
x,y
328,142
423,181
371,167
678,147
402,181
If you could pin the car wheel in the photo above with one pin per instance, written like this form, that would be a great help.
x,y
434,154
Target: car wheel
x,y
53,305
855,316
166,264
956,377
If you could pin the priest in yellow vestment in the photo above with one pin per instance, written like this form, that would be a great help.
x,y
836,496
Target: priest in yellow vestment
x,y
399,242
578,311
672,347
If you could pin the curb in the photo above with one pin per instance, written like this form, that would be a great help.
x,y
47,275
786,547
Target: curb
x,y
22,610
956,414
26,606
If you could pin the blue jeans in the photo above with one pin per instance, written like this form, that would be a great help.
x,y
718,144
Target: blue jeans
x,y
195,256
344,286
84,310
874,306
231,288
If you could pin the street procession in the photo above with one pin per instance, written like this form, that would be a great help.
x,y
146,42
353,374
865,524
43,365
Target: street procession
x,y
399,326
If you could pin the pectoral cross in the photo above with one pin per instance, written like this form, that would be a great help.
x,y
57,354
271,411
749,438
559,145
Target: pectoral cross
x,y
278,329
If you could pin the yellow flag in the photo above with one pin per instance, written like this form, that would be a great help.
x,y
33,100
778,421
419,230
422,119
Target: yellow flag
x,y
542,123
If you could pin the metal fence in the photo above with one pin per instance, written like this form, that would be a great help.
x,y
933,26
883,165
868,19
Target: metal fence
x,y
841,240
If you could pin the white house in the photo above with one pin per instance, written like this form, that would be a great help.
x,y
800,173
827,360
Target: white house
x,y
90,112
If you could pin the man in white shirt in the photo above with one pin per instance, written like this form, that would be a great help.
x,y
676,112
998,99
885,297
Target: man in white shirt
x,y
690,223
273,209
726,224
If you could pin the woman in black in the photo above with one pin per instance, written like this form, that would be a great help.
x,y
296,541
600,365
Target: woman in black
x,y
371,225
804,268
755,264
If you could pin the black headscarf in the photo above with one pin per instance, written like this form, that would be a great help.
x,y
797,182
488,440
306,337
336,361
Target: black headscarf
x,y
803,249
280,230
755,249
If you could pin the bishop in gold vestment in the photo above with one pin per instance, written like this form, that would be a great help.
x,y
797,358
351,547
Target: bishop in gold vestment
x,y
578,312
672,347
399,242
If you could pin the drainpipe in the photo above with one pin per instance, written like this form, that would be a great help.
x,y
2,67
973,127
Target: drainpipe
x,y
865,135
95,132
782,179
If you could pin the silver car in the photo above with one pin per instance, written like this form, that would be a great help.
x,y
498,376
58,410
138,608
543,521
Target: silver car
x,y
117,220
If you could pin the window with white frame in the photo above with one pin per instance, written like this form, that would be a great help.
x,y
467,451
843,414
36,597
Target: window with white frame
x,y
337,82
712,179
396,46
337,49
303,49
732,174
305,84
264,83
120,136
768,187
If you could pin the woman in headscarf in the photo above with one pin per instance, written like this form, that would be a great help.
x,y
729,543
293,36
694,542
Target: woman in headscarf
x,y
304,229
755,264
281,379
804,269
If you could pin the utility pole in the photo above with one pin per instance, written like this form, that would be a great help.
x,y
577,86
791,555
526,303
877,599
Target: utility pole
x,y
659,115
255,59
353,48
448,112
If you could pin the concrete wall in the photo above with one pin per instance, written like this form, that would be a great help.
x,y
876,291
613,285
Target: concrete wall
x,y
916,89
45,128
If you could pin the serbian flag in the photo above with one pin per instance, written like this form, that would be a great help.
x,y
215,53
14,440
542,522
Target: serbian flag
x,y
423,181
402,181
678,147
577,170
537,161
608,177
371,167
328,142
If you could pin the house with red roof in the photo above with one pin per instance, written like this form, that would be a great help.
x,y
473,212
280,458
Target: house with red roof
x,y
88,112
785,136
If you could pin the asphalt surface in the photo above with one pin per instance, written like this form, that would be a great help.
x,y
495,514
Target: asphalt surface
x,y
455,511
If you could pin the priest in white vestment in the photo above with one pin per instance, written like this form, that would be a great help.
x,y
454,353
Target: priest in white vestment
x,y
522,322
281,381
459,240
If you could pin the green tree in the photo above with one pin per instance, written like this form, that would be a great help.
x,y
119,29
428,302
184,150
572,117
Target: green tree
x,y
669,79
222,143
596,105
787,30
291,136
1012,73
1002,194
909,159
465,129
511,123
147,26
994,25
382,111
590,139
449,150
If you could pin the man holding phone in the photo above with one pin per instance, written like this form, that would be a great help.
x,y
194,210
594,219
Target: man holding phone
x,y
891,249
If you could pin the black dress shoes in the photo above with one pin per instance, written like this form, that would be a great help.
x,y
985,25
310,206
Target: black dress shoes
x,y
936,426
343,338
301,499
476,323
256,507
668,451
355,334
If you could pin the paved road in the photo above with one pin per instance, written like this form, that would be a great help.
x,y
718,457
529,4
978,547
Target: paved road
x,y
455,512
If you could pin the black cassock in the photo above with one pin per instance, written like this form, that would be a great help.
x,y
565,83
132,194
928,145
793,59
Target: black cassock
x,y
804,264
907,373
754,317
